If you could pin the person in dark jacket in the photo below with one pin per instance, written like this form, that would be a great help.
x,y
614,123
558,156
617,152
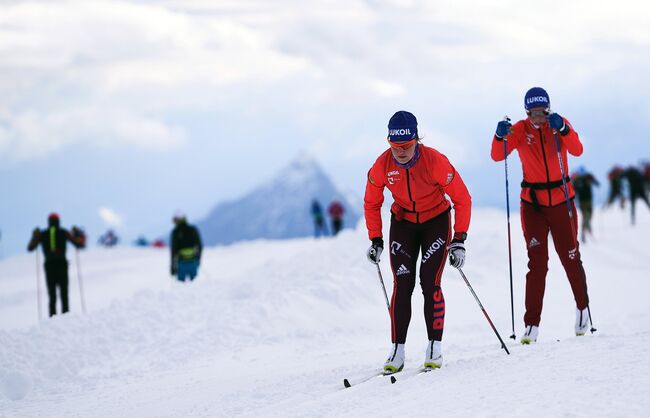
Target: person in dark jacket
x,y
186,248
53,241
636,187
583,183
319,220
109,239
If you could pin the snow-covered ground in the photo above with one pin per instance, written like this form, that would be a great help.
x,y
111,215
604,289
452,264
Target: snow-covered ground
x,y
271,328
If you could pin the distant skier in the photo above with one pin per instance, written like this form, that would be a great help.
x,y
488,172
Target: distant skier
x,y
615,186
543,203
158,243
53,241
186,248
319,219
141,241
336,212
636,188
419,178
583,183
109,239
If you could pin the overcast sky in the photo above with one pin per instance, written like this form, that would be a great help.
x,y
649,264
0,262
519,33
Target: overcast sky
x,y
117,113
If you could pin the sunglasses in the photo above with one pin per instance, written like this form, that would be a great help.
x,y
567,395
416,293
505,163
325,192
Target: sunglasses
x,y
402,145
538,113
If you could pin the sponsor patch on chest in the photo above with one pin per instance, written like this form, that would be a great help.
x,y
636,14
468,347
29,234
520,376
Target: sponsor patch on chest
x,y
393,176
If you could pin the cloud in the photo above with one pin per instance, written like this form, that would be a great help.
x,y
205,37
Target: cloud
x,y
387,89
117,72
36,133
109,72
123,45
110,217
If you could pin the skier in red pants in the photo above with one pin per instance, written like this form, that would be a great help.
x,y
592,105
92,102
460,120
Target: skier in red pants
x,y
543,203
419,178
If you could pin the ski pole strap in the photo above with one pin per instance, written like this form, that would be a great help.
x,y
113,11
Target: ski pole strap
x,y
542,186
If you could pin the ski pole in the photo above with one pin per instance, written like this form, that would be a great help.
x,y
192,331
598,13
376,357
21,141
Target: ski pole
x,y
503,345
574,233
512,302
381,280
38,287
81,288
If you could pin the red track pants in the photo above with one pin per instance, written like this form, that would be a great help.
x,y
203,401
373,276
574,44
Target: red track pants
x,y
536,226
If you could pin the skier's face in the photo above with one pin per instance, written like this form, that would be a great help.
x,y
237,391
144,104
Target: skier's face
x,y
538,115
403,154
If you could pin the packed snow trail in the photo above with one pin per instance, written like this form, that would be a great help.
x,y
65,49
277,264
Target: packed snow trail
x,y
271,328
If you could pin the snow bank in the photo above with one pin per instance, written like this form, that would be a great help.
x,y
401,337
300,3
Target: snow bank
x,y
271,328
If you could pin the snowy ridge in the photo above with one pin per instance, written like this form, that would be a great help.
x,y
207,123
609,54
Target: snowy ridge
x,y
272,327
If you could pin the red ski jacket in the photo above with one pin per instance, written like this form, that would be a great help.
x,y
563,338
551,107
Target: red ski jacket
x,y
539,160
336,210
615,172
419,191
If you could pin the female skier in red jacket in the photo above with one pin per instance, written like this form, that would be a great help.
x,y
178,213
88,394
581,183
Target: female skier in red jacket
x,y
419,178
543,202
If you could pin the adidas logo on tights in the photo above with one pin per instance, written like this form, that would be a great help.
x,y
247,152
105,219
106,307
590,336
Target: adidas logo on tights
x,y
402,270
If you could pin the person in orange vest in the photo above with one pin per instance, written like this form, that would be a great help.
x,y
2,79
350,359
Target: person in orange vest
x,y
53,241
336,212
419,178
544,204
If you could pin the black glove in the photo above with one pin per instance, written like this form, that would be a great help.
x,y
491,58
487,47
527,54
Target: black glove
x,y
79,236
503,129
36,233
374,252
174,269
457,250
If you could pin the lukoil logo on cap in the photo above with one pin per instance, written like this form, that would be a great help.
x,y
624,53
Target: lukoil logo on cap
x,y
406,131
537,100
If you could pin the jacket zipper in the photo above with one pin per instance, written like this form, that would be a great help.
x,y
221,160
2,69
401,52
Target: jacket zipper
x,y
408,186
548,177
